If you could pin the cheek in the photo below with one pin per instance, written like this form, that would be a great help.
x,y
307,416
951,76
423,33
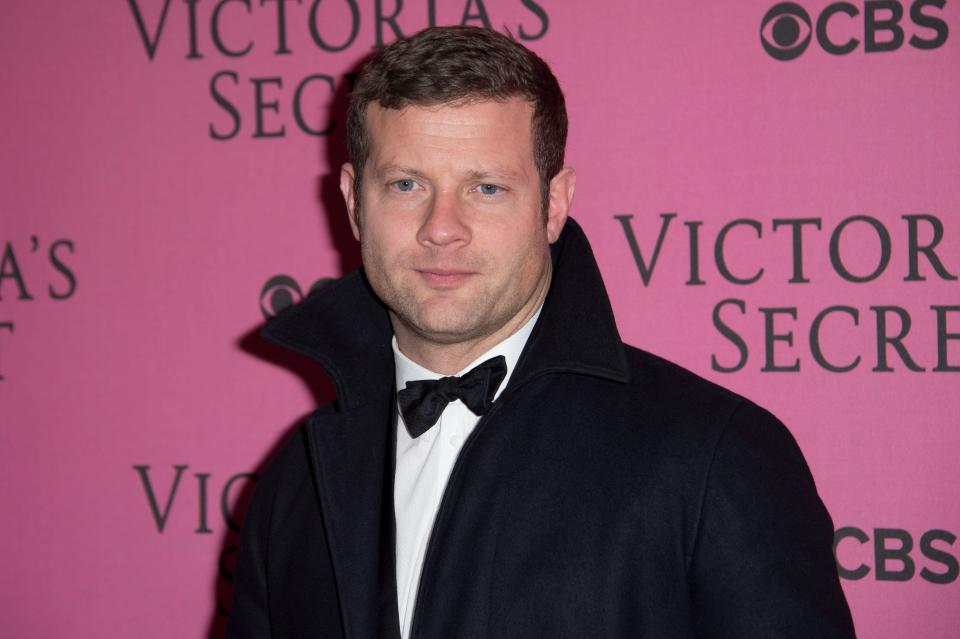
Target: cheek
x,y
382,247
377,233
524,243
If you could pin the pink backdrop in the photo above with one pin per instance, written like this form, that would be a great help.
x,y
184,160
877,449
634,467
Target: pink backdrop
x,y
137,247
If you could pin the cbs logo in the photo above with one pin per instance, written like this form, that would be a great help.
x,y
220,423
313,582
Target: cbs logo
x,y
281,291
787,29
894,555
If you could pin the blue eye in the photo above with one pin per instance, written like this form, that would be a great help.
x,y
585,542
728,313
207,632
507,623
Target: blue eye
x,y
405,185
488,189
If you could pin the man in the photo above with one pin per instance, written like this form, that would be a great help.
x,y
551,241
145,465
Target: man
x,y
554,482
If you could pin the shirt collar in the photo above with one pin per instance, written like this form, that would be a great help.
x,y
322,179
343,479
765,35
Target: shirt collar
x,y
408,370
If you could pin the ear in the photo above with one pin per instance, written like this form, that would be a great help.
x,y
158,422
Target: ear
x,y
347,184
558,206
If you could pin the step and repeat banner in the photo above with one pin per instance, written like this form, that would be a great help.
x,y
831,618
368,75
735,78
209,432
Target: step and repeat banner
x,y
772,191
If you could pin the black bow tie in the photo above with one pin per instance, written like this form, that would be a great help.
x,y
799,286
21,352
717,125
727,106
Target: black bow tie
x,y
422,402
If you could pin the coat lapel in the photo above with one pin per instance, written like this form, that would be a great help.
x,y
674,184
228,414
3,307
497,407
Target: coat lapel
x,y
352,455
346,329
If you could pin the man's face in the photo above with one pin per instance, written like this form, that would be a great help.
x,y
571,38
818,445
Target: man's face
x,y
453,236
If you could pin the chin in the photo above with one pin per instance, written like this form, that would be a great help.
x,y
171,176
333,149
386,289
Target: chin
x,y
447,330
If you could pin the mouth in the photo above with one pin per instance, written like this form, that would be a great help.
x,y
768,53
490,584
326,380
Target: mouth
x,y
444,278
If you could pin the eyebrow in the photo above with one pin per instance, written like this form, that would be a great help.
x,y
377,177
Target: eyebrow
x,y
496,174
500,174
406,170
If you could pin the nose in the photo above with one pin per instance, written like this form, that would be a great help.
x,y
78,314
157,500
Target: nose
x,y
445,223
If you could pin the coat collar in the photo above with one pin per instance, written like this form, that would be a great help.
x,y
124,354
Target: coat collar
x,y
346,329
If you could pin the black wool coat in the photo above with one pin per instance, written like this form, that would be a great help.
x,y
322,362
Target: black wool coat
x,y
607,493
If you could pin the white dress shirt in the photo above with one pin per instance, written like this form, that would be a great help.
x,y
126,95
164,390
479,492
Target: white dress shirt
x,y
424,464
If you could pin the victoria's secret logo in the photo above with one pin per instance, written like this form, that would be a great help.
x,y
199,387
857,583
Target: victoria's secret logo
x,y
163,488
35,268
270,106
787,28
870,257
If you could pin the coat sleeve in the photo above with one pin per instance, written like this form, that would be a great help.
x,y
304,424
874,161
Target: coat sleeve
x,y
249,616
763,563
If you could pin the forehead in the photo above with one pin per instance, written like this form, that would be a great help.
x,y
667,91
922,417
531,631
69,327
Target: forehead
x,y
498,131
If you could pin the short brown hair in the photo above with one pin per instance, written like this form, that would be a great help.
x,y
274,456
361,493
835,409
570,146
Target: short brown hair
x,y
450,65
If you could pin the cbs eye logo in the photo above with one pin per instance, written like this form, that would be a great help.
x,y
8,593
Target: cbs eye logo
x,y
282,291
782,29
786,30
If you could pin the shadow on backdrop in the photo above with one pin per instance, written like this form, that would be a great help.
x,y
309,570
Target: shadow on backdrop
x,y
332,216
